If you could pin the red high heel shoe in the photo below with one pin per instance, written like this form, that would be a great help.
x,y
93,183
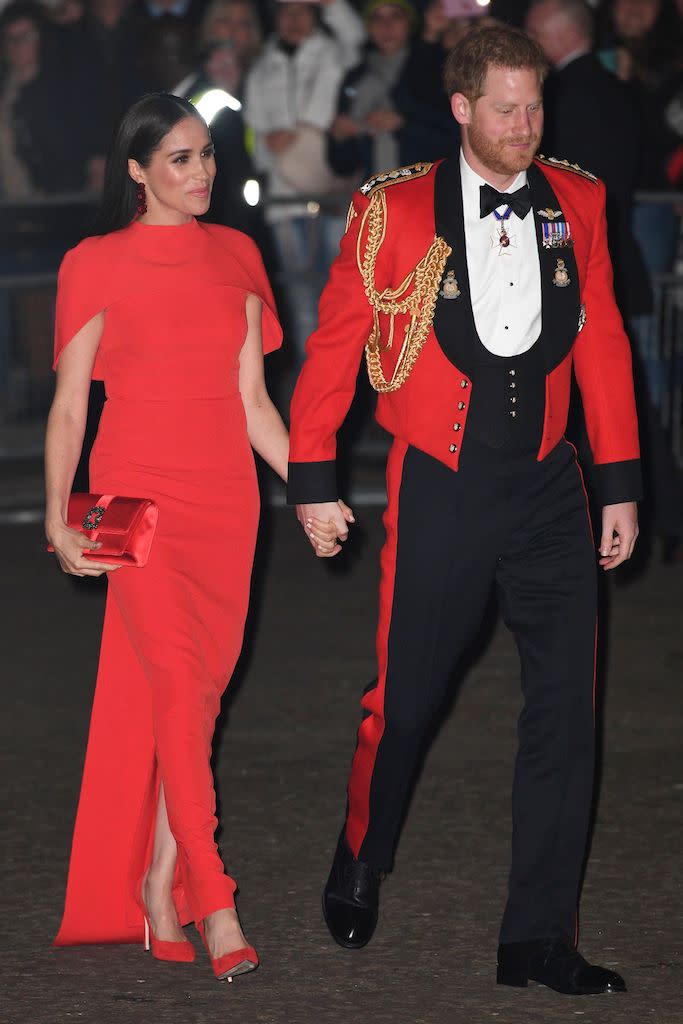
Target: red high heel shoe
x,y
240,961
172,952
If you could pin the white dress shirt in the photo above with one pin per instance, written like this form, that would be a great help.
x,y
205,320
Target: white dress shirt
x,y
505,283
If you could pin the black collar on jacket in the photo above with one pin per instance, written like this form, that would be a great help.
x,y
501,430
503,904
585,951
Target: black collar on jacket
x,y
454,320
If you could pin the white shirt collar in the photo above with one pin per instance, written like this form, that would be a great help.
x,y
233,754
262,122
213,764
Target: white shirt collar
x,y
471,181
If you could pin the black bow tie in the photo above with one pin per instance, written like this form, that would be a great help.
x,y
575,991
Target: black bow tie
x,y
490,199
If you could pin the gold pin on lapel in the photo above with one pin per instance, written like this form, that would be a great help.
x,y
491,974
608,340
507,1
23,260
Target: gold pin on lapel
x,y
561,276
449,286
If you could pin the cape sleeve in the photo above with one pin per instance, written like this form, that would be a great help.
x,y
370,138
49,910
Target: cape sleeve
x,y
79,299
271,329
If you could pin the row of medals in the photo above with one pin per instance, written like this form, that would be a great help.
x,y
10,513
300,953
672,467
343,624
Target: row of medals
x,y
555,236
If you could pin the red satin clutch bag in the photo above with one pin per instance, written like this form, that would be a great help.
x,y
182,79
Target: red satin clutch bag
x,y
123,526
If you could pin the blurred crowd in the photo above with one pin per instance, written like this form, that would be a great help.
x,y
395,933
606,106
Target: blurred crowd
x,y
309,97
306,98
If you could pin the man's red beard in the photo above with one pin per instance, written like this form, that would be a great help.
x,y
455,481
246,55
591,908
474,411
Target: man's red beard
x,y
498,156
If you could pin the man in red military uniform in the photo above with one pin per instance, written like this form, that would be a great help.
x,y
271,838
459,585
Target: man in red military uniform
x,y
475,285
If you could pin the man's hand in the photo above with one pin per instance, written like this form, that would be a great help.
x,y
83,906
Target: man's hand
x,y
619,533
336,514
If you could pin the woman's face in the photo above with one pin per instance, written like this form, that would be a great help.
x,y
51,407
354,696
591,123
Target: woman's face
x,y
180,174
389,28
635,18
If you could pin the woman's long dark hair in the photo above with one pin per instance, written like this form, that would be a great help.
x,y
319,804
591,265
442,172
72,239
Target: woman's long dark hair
x,y
138,136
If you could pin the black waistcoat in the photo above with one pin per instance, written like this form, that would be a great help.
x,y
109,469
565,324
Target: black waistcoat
x,y
508,393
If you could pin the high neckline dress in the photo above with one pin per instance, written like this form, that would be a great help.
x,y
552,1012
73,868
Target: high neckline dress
x,y
173,429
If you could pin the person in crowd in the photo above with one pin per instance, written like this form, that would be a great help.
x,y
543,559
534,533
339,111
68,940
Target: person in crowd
x,y
363,138
428,131
236,22
104,48
167,51
236,194
290,102
581,97
181,353
219,68
471,326
40,154
644,42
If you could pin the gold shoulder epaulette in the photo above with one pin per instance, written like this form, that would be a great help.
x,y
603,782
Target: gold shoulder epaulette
x,y
394,177
564,165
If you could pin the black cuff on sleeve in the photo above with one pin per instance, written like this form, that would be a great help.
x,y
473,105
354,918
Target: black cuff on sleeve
x,y
310,482
618,481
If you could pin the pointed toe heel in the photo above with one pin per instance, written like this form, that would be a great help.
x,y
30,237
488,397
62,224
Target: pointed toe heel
x,y
239,961
171,952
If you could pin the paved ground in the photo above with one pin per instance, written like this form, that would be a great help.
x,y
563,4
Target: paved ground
x,y
281,770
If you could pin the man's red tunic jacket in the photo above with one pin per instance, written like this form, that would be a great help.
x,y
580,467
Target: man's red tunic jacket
x,y
436,395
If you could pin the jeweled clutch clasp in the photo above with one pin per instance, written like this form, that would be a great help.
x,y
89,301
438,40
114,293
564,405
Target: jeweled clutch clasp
x,y
93,517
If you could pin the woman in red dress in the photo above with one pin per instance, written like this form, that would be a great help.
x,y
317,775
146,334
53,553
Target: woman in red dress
x,y
174,316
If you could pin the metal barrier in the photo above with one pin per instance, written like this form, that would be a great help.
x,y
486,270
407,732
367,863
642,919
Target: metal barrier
x,y
35,234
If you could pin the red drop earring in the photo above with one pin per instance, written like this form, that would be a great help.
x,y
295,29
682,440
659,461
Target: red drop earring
x,y
141,196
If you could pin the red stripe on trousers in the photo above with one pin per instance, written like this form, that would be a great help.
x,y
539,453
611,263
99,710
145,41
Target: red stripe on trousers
x,y
595,652
372,727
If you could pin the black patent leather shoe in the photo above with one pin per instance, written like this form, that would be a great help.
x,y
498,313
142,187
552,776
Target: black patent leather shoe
x,y
557,964
351,899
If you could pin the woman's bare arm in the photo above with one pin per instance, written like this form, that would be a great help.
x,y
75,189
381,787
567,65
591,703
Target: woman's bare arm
x,y
63,443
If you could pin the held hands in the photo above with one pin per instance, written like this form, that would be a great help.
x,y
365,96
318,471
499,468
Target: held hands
x,y
325,523
70,546
619,533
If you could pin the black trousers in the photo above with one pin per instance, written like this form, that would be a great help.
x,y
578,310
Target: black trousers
x,y
523,525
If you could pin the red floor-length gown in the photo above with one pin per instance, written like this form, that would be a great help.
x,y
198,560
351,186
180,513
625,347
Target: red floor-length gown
x,y
173,429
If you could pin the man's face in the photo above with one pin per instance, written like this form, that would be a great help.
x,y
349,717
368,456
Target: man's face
x,y
503,127
295,22
547,26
